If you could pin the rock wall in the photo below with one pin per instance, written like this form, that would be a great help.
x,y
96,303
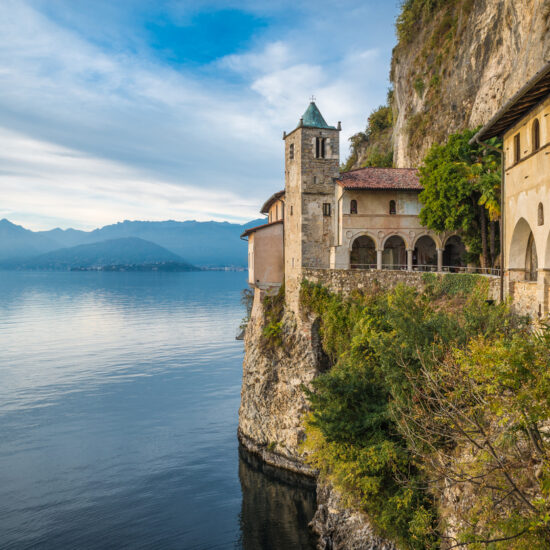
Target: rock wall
x,y
344,282
340,528
464,62
272,399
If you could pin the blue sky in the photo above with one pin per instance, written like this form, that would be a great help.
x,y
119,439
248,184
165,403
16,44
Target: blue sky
x,y
153,110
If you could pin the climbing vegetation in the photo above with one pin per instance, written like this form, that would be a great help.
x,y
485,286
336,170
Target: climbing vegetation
x,y
462,192
274,308
431,390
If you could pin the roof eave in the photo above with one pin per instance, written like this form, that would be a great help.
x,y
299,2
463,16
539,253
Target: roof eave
x,y
493,129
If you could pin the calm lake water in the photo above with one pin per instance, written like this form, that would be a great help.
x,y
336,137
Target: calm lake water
x,y
119,396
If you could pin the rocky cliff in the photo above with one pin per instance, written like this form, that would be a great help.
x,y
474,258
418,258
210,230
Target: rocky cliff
x,y
272,397
457,62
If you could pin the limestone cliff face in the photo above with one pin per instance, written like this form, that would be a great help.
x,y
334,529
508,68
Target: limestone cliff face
x,y
340,528
272,407
460,65
272,397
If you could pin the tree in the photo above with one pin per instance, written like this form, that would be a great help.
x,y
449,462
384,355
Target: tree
x,y
462,192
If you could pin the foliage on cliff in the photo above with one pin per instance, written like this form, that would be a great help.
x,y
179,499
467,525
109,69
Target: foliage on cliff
x,y
274,308
373,147
462,192
432,389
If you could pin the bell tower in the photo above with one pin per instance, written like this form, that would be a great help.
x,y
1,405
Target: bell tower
x,y
312,161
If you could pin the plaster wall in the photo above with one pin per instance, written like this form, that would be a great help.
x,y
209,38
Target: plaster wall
x,y
265,256
527,185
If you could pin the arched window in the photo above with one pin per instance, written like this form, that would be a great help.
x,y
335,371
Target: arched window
x,y
393,210
353,207
517,148
536,135
291,151
540,214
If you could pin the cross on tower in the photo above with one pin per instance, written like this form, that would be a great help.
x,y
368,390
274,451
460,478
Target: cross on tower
x,y
312,98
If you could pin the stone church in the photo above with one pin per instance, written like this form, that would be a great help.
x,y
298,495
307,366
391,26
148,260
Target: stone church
x,y
324,219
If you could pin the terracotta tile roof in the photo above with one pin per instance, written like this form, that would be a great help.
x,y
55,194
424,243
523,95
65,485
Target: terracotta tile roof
x,y
405,179
258,227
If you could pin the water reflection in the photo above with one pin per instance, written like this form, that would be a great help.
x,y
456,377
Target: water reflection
x,y
277,507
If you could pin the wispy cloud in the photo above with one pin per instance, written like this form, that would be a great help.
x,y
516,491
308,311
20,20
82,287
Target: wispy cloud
x,y
96,129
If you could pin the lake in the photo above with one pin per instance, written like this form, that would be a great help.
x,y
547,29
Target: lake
x,y
119,397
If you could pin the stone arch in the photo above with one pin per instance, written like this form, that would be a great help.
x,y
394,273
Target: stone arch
x,y
425,252
363,252
518,245
454,252
361,234
434,236
394,255
389,236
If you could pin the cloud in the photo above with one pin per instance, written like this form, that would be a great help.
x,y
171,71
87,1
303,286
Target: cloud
x,y
140,137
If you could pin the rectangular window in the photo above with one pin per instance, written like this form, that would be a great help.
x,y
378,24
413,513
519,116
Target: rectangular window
x,y
517,148
291,151
291,210
326,209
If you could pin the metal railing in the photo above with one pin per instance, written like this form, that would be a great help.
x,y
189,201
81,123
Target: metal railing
x,y
428,268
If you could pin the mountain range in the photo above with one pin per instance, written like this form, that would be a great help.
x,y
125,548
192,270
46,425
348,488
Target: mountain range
x,y
192,243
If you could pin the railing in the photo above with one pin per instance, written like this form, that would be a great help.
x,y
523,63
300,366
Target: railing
x,y
465,269
363,266
427,268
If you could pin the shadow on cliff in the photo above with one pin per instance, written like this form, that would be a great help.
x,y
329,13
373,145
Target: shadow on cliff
x,y
277,506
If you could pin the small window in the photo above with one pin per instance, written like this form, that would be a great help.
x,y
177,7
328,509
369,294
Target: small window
x,y
326,209
536,135
291,151
393,210
540,214
291,210
353,207
517,148
320,148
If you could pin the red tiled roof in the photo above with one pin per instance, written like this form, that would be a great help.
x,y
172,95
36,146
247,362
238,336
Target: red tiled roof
x,y
258,227
381,178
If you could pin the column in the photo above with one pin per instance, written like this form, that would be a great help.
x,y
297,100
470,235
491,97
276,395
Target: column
x,y
439,259
409,259
379,260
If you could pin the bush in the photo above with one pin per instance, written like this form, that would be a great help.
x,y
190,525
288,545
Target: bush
x,y
359,432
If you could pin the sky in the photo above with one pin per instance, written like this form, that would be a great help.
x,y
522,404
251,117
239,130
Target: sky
x,y
169,109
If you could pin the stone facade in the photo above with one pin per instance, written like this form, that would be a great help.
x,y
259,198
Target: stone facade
x,y
309,187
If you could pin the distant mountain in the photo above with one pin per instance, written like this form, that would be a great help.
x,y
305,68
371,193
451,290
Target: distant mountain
x,y
114,253
16,242
208,244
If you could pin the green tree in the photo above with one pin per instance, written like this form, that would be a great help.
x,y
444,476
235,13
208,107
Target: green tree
x,y
462,192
